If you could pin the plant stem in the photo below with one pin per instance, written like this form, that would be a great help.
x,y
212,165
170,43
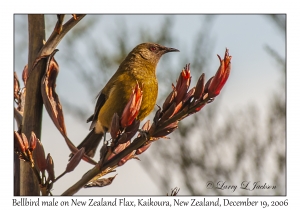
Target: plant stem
x,y
32,117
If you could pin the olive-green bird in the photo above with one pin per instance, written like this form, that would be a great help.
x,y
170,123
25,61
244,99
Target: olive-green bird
x,y
139,66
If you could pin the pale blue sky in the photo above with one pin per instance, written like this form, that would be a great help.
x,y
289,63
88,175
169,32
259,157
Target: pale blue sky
x,y
254,77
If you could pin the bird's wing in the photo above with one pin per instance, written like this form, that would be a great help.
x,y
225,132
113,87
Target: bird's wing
x,y
100,101
102,98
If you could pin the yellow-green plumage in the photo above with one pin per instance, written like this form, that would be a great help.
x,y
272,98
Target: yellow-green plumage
x,y
139,66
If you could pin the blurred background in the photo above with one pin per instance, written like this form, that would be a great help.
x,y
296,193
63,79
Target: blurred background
x,y
240,137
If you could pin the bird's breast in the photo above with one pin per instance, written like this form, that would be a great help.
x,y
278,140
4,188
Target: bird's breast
x,y
150,90
119,95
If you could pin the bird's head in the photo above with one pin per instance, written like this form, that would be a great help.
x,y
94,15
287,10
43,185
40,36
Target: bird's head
x,y
152,52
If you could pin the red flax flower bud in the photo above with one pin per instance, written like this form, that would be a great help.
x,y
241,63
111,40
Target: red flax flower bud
x,y
115,126
199,87
118,149
199,108
32,142
189,95
16,86
50,167
25,141
75,160
25,74
19,144
143,148
132,108
169,100
126,158
183,83
132,129
39,154
221,76
146,126
166,130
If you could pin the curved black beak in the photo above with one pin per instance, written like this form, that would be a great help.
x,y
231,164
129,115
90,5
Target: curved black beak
x,y
169,49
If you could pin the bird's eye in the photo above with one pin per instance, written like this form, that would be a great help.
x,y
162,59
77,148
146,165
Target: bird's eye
x,y
153,48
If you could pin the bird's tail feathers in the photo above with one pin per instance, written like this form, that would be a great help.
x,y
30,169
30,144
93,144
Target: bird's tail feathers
x,y
90,143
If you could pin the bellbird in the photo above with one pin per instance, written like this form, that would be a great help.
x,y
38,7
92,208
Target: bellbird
x,y
139,66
